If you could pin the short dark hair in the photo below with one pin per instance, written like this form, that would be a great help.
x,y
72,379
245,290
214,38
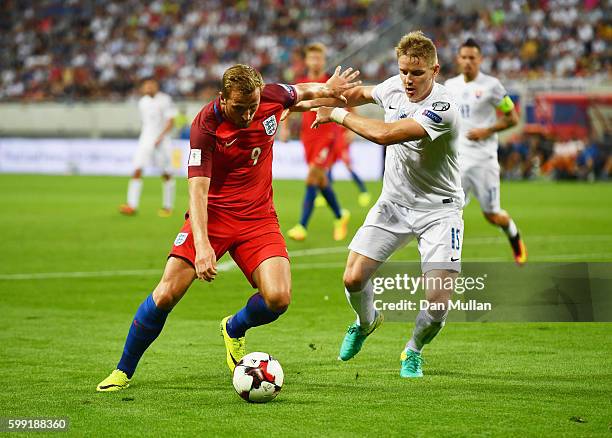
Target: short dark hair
x,y
471,42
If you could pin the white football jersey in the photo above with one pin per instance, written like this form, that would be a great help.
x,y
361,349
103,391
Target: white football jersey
x,y
154,113
421,173
477,101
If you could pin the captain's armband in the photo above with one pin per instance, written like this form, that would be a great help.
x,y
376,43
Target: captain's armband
x,y
506,105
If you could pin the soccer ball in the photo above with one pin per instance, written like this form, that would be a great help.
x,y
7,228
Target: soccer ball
x,y
258,377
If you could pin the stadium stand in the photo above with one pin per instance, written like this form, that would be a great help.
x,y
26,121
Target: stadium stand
x,y
93,50
55,49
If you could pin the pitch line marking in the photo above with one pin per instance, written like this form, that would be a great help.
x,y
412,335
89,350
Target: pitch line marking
x,y
222,267
230,264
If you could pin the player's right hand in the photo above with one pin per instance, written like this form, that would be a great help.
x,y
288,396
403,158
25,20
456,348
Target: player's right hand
x,y
206,263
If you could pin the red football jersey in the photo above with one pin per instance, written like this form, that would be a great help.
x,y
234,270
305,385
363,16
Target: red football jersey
x,y
324,133
239,160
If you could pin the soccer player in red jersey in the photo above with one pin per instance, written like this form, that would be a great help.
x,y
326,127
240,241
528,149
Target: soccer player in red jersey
x,y
230,209
342,152
320,156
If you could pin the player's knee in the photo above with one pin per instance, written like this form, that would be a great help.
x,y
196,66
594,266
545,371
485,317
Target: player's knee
x,y
278,300
354,280
167,294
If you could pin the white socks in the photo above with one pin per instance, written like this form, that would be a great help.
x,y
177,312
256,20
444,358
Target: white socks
x,y
426,328
168,193
134,191
362,303
511,230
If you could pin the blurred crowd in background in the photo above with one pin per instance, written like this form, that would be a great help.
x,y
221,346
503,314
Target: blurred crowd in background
x,y
539,156
73,49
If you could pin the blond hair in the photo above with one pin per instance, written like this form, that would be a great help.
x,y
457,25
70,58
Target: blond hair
x,y
315,47
242,78
417,45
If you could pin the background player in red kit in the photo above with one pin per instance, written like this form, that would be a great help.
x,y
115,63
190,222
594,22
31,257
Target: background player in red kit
x,y
342,152
230,209
320,156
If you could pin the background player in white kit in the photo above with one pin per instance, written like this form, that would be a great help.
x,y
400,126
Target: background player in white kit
x,y
479,97
421,198
157,113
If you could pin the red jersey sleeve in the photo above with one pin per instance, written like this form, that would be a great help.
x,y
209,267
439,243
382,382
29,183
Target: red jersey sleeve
x,y
286,95
202,139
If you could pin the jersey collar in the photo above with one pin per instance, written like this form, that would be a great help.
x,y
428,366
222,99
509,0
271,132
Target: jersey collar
x,y
217,110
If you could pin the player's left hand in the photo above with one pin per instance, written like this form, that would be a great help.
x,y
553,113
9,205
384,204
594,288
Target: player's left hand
x,y
323,116
341,82
478,134
157,142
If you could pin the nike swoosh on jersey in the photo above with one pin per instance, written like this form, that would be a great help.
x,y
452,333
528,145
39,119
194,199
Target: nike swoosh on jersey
x,y
229,143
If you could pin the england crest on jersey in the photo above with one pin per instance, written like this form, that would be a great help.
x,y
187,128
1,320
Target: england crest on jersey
x,y
180,239
270,125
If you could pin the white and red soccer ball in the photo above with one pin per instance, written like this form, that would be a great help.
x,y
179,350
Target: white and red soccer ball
x,y
258,377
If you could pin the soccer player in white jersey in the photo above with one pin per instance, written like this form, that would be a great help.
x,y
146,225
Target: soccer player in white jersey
x,y
480,96
157,113
421,198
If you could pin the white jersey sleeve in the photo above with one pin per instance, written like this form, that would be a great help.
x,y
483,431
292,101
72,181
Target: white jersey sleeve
x,y
498,92
436,118
384,91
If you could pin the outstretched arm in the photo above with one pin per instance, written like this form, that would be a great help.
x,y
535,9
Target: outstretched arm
x,y
335,86
354,97
374,130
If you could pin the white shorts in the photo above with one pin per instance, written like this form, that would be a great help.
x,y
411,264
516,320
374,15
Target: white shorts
x,y
390,226
484,182
148,155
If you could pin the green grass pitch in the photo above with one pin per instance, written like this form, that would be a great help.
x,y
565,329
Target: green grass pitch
x,y
61,335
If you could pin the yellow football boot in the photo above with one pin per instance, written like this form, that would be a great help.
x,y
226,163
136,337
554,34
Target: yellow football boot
x,y
235,348
341,225
297,233
117,381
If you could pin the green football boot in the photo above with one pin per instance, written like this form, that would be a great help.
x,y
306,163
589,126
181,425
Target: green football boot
x,y
356,336
411,362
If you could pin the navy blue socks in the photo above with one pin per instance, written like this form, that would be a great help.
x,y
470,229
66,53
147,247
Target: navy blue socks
x,y
358,181
254,314
330,197
309,197
146,327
